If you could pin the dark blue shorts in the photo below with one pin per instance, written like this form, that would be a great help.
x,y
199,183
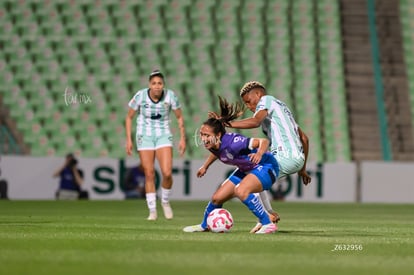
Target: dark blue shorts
x,y
266,173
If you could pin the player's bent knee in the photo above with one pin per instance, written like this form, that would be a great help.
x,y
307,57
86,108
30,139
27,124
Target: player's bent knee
x,y
217,200
241,194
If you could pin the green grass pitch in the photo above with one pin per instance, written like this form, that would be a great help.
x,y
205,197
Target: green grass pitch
x,y
113,237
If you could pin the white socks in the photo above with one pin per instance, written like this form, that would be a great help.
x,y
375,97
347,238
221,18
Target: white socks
x,y
265,198
165,195
152,199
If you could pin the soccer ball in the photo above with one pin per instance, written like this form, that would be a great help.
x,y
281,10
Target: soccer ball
x,y
219,220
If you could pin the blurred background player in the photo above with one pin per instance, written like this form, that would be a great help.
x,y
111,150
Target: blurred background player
x,y
134,183
288,143
3,187
256,170
71,179
154,140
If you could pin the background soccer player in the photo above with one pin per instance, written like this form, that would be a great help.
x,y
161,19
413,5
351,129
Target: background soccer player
x,y
154,139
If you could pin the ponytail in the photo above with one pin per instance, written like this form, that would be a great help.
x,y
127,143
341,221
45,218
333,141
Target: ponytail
x,y
228,113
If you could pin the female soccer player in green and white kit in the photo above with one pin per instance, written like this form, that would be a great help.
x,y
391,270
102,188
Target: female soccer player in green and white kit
x,y
288,143
154,139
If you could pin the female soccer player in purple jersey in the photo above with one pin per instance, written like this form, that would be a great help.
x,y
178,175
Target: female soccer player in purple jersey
x,y
256,171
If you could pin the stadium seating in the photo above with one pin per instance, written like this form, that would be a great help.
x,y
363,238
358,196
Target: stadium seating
x,y
332,82
407,22
104,50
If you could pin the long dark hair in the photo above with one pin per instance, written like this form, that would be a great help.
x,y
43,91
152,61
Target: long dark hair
x,y
228,112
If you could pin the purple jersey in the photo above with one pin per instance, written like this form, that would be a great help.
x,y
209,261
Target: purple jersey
x,y
234,150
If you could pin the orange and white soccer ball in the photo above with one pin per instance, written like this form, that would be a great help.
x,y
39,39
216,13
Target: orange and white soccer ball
x,y
219,220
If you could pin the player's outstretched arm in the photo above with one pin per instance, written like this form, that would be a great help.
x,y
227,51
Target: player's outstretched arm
x,y
249,123
203,169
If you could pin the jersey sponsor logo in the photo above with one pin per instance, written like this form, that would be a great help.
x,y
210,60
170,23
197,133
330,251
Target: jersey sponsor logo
x,y
237,139
258,205
156,116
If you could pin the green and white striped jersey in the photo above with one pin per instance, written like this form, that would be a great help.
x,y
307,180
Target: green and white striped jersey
x,y
280,127
153,118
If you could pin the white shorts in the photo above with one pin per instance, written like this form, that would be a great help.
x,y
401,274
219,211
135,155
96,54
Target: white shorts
x,y
289,165
153,142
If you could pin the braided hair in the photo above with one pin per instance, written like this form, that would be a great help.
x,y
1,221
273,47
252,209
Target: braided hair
x,y
248,86
228,112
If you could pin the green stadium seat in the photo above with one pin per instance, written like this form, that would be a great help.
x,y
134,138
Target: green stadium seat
x,y
33,134
176,19
106,48
252,13
226,13
201,23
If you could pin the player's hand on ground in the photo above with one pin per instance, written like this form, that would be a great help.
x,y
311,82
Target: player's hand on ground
x,y
306,179
201,172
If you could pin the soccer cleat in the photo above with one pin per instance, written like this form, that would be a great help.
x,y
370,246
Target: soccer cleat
x,y
256,228
194,228
168,213
152,216
274,218
267,229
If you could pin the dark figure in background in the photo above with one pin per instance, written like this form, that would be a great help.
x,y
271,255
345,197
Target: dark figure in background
x,y
3,188
134,183
71,180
